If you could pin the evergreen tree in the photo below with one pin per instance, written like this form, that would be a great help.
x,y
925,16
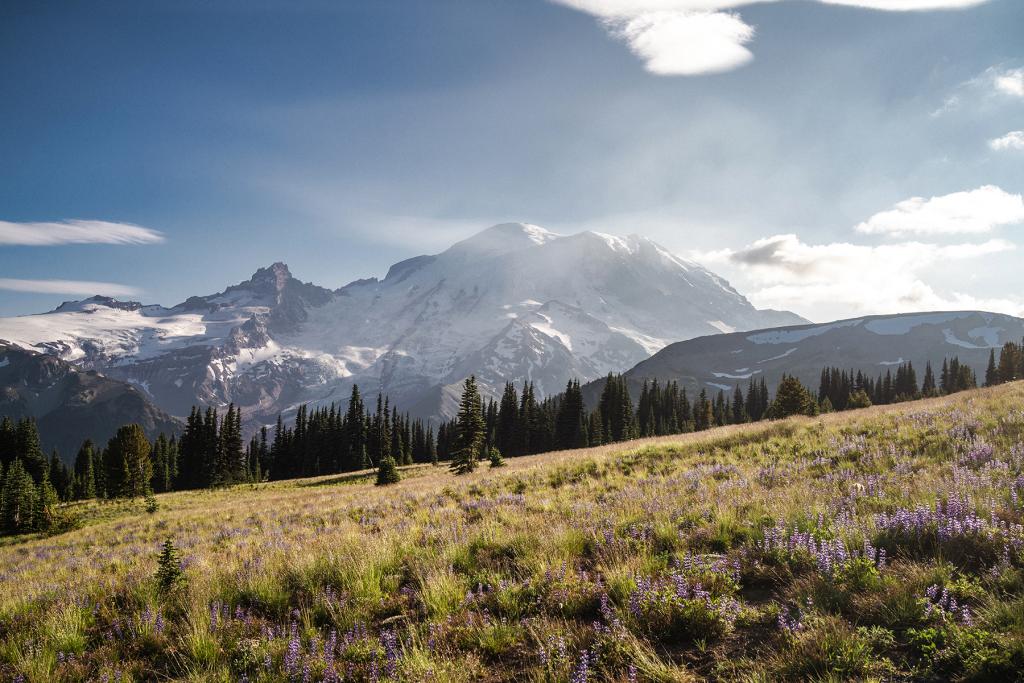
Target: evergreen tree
x,y
992,372
928,387
17,499
1010,359
792,398
387,471
571,423
169,573
60,477
469,429
858,399
739,408
85,475
494,457
29,450
128,465
45,503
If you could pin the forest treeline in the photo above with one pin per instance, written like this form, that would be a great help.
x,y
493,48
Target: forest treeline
x,y
211,451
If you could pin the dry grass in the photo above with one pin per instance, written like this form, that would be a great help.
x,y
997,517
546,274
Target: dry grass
x,y
523,572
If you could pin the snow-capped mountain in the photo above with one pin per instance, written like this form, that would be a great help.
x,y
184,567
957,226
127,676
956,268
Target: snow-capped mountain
x,y
872,345
514,302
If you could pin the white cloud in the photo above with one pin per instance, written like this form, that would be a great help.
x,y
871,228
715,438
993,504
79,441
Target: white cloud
x,y
76,232
842,278
1012,140
969,212
691,37
907,5
687,43
676,37
74,287
1010,82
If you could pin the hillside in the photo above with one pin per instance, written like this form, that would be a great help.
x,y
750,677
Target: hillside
x,y
876,544
71,405
873,345
513,302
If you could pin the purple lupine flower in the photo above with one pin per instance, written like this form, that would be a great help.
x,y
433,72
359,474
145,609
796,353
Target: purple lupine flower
x,y
291,655
582,671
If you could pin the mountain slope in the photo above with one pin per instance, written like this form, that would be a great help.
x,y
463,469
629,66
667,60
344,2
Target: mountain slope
x,y
72,405
872,344
514,302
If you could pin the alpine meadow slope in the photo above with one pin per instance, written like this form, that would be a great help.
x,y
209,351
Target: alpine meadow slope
x,y
879,544
512,303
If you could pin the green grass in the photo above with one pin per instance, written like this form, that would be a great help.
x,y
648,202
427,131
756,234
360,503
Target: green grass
x,y
737,554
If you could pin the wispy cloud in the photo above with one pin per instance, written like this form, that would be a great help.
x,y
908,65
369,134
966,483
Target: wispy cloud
x,y
73,287
76,232
970,212
1013,140
692,37
856,278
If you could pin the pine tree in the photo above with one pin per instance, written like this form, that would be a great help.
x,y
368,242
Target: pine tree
x,y
570,424
46,500
85,475
169,573
470,429
60,477
29,450
17,499
494,457
992,372
387,471
1009,363
739,410
928,388
128,466
792,398
858,399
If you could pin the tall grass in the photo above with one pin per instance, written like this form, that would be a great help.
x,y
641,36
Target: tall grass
x,y
880,544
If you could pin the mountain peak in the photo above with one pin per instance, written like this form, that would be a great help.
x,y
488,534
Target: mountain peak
x,y
506,237
274,277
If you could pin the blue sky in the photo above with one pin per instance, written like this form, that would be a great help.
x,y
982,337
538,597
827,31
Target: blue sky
x,y
826,158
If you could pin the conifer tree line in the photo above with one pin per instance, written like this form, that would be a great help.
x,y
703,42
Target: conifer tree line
x,y
844,390
1008,367
211,452
31,486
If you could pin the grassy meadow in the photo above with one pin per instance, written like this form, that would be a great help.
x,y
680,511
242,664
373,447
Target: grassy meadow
x,y
882,544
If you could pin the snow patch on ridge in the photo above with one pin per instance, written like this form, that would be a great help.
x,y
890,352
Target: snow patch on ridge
x,y
741,375
951,338
779,357
905,323
787,336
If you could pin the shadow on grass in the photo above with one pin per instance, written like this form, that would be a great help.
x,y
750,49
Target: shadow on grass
x,y
340,480
363,476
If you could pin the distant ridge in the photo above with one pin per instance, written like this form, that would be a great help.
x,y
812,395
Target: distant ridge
x,y
870,344
72,405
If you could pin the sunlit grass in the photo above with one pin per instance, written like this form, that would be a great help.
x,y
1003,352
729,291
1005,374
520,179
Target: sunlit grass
x,y
744,553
